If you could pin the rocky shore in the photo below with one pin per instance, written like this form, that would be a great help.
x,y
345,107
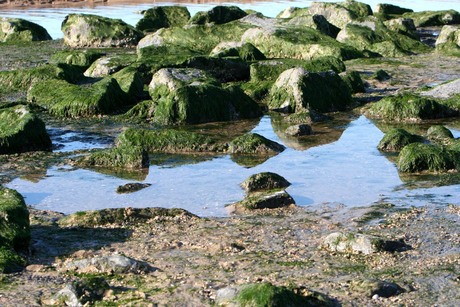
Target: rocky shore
x,y
153,87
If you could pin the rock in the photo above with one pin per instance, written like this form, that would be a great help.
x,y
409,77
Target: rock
x,y
63,99
388,11
337,13
354,81
14,230
444,91
353,243
223,70
125,157
80,58
218,15
403,26
298,90
253,143
112,264
168,141
449,34
410,108
84,30
190,96
91,289
105,66
265,182
244,51
396,139
132,187
163,17
317,22
299,130
22,131
130,81
258,201
376,288
68,295
417,157
20,30
381,75
226,296
433,18
439,133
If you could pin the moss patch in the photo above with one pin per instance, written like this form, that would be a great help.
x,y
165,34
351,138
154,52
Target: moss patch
x,y
253,143
20,30
395,140
118,157
418,157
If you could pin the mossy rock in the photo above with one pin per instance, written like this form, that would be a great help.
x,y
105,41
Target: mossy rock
x,y
132,157
190,96
21,131
63,99
339,14
439,133
317,22
80,58
121,216
371,287
380,75
253,143
14,221
403,26
16,30
298,90
22,79
354,81
163,17
10,261
108,65
450,49
218,15
410,108
263,200
448,41
390,11
355,243
264,181
396,139
223,70
298,43
417,157
434,18
245,51
130,81
168,141
266,294
85,30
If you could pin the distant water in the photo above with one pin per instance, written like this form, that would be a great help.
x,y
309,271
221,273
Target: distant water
x,y
51,18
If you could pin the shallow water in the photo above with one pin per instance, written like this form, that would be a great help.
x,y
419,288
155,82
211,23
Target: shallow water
x,y
350,171
51,18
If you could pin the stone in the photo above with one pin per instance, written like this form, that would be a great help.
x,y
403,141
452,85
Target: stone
x,y
133,157
132,187
163,17
68,295
354,81
85,30
387,9
253,143
396,139
381,75
353,243
112,264
105,66
19,30
259,201
218,15
317,22
299,130
336,13
376,288
265,181
444,91
403,26
22,131
298,90
244,51
418,157
433,18
439,133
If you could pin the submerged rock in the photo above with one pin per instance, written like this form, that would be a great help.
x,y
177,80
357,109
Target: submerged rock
x,y
84,30
22,131
417,157
19,30
266,181
396,139
163,17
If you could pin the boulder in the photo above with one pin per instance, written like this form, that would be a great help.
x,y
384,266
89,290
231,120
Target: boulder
x,y
408,107
130,81
22,131
244,51
163,17
439,133
19,30
259,201
396,139
67,295
317,22
82,30
298,90
266,181
80,58
448,41
108,65
299,130
134,157
218,15
403,26
380,75
223,70
339,14
168,141
357,243
354,81
389,11
418,157
253,143
434,18
132,187
190,96
111,264
63,99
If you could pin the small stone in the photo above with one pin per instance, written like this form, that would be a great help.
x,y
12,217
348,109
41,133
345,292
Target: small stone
x,y
132,187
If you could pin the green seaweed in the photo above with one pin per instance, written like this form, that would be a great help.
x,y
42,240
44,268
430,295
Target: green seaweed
x,y
20,30
396,139
163,17
265,181
132,157
417,157
433,18
253,143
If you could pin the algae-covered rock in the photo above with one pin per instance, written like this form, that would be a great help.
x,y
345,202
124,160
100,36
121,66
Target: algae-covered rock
x,y
218,15
380,75
191,96
224,70
163,17
108,65
84,30
297,90
396,139
390,10
21,131
168,140
132,187
20,30
439,133
264,200
80,58
403,26
373,287
434,18
448,41
417,157
265,181
253,143
409,108
130,81
317,22
353,243
339,14
128,157
354,81
68,100
244,51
